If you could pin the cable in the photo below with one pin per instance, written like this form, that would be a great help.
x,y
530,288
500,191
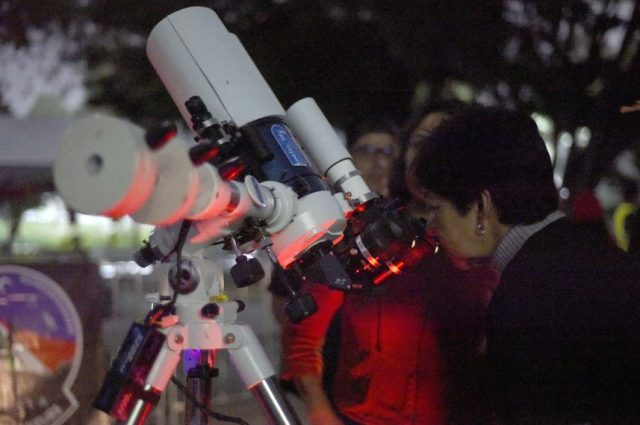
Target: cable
x,y
163,309
182,237
203,408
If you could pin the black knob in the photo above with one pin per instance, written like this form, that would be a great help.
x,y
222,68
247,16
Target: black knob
x,y
210,310
159,135
246,271
241,305
144,256
203,152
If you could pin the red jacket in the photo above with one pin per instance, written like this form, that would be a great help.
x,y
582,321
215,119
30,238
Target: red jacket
x,y
390,369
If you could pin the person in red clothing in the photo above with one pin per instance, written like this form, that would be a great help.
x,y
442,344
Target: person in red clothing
x,y
393,342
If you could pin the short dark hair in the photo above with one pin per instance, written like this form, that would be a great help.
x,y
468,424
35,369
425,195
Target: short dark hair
x,y
494,149
370,124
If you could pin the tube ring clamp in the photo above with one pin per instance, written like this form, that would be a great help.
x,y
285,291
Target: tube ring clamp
x,y
235,198
344,178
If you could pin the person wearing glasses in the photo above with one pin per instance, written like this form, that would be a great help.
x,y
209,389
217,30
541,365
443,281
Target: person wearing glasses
x,y
373,144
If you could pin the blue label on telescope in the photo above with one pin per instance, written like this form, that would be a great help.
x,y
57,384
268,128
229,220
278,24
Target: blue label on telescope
x,y
288,145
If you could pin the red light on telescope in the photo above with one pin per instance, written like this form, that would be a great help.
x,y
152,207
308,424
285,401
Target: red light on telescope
x,y
233,172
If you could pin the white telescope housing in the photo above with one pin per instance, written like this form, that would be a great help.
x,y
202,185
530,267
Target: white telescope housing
x,y
194,55
105,167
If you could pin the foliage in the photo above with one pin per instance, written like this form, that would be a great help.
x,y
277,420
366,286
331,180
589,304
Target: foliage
x,y
574,60
577,62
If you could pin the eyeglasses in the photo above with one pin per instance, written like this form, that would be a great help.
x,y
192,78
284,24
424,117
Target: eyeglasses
x,y
388,150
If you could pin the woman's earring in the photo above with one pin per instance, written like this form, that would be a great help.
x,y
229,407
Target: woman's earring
x,y
480,229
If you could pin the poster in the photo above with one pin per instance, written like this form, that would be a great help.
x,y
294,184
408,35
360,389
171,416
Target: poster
x,y
40,349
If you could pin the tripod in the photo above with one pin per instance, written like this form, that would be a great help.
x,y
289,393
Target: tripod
x,y
191,327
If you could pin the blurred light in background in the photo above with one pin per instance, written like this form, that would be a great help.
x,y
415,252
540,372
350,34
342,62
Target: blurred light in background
x,y
547,131
49,227
565,142
109,270
582,137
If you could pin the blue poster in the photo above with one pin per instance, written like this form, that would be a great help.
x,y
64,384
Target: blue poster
x,y
40,349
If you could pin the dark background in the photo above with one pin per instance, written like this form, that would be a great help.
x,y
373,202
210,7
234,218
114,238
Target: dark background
x,y
382,56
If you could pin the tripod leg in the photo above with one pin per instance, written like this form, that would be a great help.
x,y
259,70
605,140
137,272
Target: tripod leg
x,y
139,374
140,413
255,370
198,367
274,403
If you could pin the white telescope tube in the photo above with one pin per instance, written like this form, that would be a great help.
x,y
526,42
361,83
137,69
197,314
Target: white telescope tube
x,y
195,55
104,167
327,151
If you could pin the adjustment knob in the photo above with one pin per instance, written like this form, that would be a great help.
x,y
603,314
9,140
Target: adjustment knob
x,y
246,271
159,135
210,310
184,277
203,152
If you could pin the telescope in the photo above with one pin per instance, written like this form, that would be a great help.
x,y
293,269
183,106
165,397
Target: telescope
x,y
264,185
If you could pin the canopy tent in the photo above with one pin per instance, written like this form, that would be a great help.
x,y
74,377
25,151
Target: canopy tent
x,y
27,151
